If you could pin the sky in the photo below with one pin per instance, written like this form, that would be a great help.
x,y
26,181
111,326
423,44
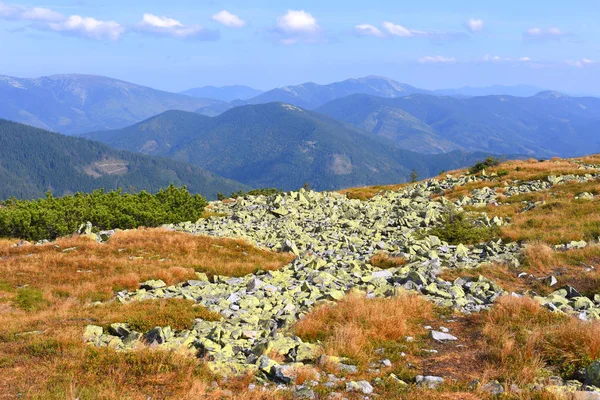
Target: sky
x,y
433,44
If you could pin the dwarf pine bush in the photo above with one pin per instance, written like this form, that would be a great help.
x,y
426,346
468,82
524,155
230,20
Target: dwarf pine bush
x,y
52,217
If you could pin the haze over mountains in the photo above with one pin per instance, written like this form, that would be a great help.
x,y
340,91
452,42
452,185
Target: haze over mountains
x,y
225,93
546,124
356,132
33,161
279,145
75,103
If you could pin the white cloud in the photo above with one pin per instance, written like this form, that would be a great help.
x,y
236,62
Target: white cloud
x,y
542,34
525,59
41,14
580,63
297,22
296,26
88,27
368,30
47,19
228,19
399,30
174,28
8,11
437,60
475,25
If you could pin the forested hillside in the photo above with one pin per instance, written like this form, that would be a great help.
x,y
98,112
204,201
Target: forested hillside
x,y
33,161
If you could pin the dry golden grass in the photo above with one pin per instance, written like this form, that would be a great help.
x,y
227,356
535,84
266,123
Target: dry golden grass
x,y
368,192
385,261
521,338
353,327
569,268
58,287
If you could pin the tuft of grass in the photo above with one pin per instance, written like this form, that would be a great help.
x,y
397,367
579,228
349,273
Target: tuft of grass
x,y
30,299
179,314
385,261
522,339
368,192
356,325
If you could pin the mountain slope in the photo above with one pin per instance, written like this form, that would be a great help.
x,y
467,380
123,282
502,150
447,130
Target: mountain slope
x,y
33,161
225,93
278,145
543,125
74,104
311,95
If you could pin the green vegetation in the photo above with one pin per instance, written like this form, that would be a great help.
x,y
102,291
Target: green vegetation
x,y
30,299
33,161
487,163
460,228
255,192
52,217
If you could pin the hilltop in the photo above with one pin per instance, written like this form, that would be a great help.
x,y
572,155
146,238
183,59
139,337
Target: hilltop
x,y
476,284
279,145
33,161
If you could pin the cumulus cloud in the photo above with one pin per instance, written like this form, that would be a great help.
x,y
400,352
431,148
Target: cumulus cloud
x,y
297,26
88,27
525,59
228,19
368,30
297,22
171,27
580,63
475,25
541,34
41,14
437,60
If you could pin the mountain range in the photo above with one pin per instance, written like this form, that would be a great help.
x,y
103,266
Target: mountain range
x,y
33,161
547,124
279,145
74,103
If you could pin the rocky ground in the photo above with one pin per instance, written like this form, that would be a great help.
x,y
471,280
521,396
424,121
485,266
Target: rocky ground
x,y
334,239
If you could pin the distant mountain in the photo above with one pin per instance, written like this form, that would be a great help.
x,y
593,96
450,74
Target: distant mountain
x,y
279,145
469,91
547,124
225,93
312,95
33,161
73,104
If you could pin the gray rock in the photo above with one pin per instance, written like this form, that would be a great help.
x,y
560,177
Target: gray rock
x,y
431,382
442,337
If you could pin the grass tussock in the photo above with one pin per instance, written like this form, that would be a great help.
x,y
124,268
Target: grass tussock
x,y
179,314
368,192
385,261
522,339
540,260
355,326
45,296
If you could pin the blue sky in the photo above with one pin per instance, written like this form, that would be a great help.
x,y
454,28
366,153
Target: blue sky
x,y
179,44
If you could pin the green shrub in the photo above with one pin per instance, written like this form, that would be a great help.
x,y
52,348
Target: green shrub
x,y
458,228
52,217
254,192
487,163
